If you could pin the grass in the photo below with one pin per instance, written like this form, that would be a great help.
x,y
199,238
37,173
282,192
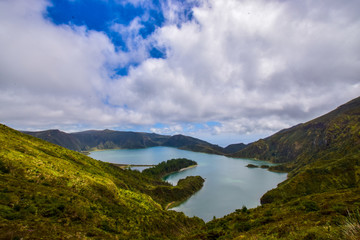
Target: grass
x,y
47,190
351,226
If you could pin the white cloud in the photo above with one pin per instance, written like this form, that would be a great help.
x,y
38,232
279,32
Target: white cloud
x,y
168,130
53,75
254,66
271,62
137,46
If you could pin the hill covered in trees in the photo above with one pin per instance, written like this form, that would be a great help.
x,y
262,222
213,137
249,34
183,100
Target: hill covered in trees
x,y
172,165
109,139
47,191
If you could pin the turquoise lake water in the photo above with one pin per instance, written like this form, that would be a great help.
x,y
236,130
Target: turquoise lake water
x,y
229,184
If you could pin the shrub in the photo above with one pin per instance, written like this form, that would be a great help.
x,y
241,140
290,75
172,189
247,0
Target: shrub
x,y
244,209
243,226
3,167
252,166
311,206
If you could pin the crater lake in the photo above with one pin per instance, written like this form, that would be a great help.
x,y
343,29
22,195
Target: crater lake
x,y
229,184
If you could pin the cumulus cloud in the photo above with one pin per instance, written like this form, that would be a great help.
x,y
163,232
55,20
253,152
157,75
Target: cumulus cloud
x,y
53,75
254,67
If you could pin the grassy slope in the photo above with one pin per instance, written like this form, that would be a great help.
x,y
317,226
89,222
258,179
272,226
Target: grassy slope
x,y
50,192
322,188
336,132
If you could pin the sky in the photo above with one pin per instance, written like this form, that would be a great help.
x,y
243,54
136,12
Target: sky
x,y
224,71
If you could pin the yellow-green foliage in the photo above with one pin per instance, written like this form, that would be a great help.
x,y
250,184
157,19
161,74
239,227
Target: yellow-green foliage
x,y
318,177
184,189
316,216
47,191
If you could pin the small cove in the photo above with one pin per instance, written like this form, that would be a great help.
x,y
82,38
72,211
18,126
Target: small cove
x,y
229,184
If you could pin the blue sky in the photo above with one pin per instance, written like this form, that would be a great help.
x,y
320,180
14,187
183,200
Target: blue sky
x,y
102,15
223,71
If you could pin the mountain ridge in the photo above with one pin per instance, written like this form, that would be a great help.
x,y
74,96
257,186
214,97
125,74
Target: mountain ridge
x,y
324,133
110,139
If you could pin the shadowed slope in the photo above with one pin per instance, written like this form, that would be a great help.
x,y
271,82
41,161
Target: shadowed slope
x,y
109,139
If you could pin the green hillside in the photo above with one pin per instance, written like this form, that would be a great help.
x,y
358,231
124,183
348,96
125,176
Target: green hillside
x,y
103,139
109,139
334,133
321,197
49,192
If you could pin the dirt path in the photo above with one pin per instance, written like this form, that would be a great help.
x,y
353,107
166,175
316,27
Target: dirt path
x,y
169,204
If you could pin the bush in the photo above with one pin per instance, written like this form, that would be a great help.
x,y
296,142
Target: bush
x,y
252,166
243,226
3,168
311,206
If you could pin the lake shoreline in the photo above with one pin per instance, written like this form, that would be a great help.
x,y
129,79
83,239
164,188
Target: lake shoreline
x,y
227,179
124,165
181,170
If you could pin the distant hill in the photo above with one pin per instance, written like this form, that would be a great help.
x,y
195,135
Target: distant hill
x,y
49,192
192,144
233,148
109,139
59,138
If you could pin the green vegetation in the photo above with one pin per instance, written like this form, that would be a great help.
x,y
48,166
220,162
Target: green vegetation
x,y
335,133
252,165
351,228
47,191
318,216
323,186
170,166
182,191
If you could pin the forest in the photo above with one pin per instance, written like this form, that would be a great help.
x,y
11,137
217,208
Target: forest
x,y
165,168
